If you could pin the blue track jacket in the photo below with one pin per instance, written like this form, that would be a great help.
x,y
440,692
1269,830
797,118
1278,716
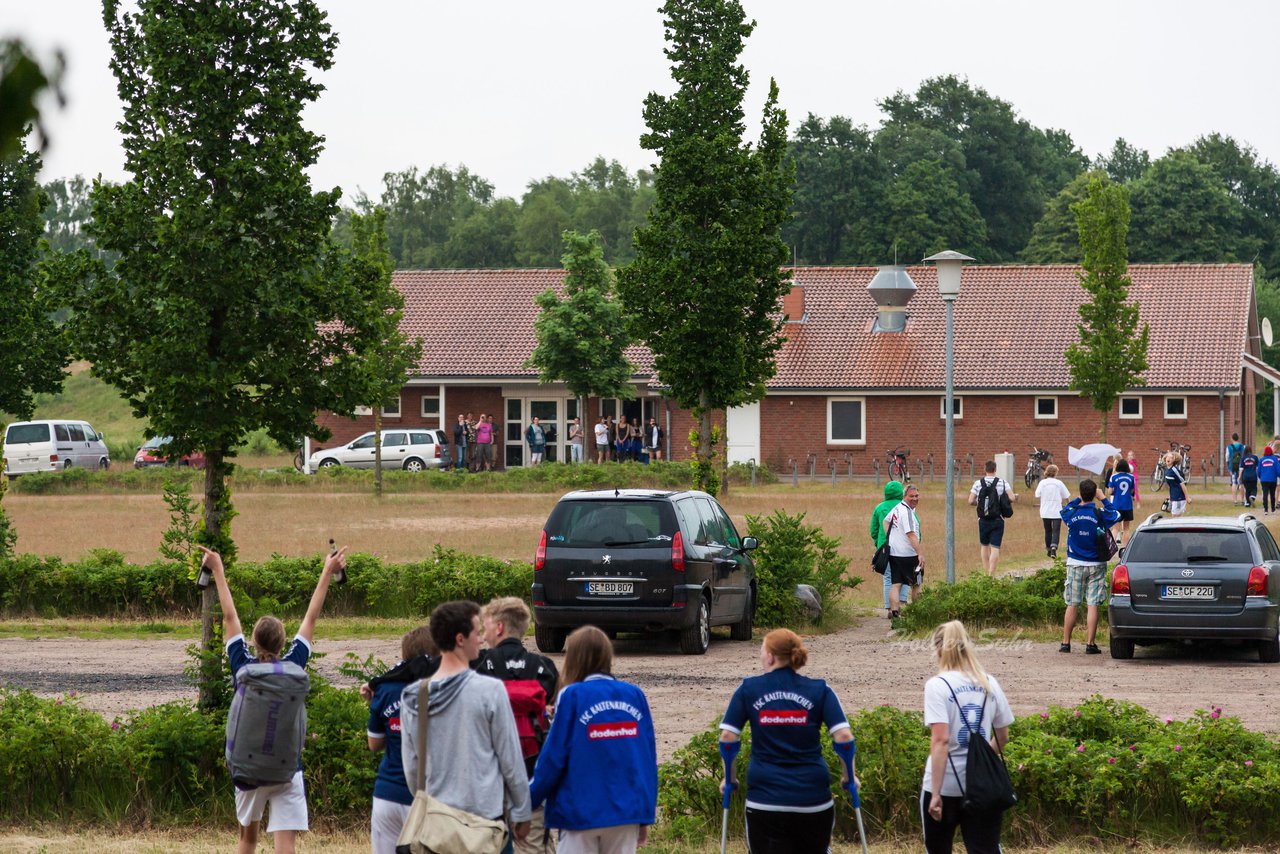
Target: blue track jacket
x,y
599,764
1082,522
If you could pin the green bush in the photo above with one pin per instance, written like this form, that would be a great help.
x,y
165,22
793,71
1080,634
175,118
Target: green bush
x,y
792,553
1103,768
984,602
102,584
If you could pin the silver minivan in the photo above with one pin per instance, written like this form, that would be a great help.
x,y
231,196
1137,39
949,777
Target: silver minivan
x,y
411,449
53,445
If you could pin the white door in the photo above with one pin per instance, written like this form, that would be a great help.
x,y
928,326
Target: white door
x,y
743,427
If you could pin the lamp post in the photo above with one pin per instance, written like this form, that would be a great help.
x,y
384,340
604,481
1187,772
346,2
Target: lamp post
x,y
948,264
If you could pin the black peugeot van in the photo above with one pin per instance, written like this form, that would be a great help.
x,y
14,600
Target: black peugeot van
x,y
642,560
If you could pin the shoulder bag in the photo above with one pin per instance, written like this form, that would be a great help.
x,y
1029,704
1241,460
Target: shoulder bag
x,y
434,827
989,788
880,560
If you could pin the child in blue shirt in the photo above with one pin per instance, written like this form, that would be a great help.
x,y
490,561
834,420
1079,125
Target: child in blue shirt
x,y
1268,469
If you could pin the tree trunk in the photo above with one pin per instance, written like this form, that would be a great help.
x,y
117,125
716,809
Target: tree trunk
x,y
724,459
377,452
215,489
1102,428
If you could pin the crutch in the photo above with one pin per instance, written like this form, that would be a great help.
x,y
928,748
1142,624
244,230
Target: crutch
x,y
728,753
846,750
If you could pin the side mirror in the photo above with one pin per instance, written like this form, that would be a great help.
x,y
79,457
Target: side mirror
x,y
749,543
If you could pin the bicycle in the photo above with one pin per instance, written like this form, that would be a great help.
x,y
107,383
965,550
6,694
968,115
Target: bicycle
x,y
1183,452
898,466
1035,465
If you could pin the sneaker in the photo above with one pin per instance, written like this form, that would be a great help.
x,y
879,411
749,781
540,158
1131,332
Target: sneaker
x,y
1065,647
1092,649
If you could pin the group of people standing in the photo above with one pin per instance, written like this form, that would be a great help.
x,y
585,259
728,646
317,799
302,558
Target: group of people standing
x,y
473,443
621,440
1250,471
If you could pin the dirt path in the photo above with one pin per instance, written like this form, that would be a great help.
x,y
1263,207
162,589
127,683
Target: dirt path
x,y
686,693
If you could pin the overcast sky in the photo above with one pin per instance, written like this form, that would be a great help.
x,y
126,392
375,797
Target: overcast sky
x,y
521,90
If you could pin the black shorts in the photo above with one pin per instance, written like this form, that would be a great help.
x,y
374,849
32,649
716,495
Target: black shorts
x,y
991,532
1126,515
778,832
905,570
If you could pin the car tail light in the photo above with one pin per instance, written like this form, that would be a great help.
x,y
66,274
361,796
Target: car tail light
x,y
435,451
1257,581
540,557
1120,581
677,552
53,458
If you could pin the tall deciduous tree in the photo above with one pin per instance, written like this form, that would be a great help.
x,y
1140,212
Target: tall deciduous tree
x,y
1182,211
704,290
228,310
1111,355
582,338
33,351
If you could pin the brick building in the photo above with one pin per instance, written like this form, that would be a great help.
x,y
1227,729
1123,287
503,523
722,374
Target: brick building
x,y
844,392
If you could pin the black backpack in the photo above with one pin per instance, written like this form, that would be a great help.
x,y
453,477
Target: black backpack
x,y
989,499
989,788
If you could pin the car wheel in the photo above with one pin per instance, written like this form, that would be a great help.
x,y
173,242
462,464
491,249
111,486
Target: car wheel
x,y
741,630
1122,648
66,465
329,463
1269,650
697,638
414,464
104,464
548,639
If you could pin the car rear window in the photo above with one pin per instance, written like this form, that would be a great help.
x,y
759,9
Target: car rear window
x,y
1190,546
588,524
25,434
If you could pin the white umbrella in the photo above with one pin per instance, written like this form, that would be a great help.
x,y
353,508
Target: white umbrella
x,y
1091,457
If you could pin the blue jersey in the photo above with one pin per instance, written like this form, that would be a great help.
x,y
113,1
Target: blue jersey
x,y
1173,476
1083,522
1121,486
786,712
1267,468
238,653
384,723
1249,468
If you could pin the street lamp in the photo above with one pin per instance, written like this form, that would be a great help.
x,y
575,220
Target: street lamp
x,y
948,264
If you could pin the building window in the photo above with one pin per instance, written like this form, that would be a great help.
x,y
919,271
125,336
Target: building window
x,y
1175,407
957,405
1130,408
846,421
392,409
364,410
1046,407
431,411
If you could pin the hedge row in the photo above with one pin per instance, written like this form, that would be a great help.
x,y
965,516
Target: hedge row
x,y
1103,769
103,584
981,601
549,477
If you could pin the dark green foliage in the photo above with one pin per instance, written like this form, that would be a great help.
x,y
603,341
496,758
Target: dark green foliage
x,y
102,584
1111,355
1182,211
1103,768
704,289
792,553
984,602
22,82
1124,163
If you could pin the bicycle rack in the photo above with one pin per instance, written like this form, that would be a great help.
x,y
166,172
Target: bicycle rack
x,y
813,464
1204,471
795,472
930,458
848,458
921,464
831,464
969,459
875,463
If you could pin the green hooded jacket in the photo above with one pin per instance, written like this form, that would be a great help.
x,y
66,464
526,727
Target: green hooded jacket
x,y
892,497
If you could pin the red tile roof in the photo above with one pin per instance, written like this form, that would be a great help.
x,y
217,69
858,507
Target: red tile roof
x,y
1012,325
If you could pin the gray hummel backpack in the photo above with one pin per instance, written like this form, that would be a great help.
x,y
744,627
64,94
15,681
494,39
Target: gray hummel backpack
x,y
267,723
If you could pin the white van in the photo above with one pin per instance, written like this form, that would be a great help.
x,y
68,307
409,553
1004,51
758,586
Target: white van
x,y
31,446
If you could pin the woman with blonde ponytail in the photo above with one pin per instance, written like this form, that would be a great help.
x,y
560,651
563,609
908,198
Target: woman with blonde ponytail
x,y
962,699
789,804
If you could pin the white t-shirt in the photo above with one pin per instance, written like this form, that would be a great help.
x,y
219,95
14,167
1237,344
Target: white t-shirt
x,y
602,433
904,520
1002,486
940,708
1052,493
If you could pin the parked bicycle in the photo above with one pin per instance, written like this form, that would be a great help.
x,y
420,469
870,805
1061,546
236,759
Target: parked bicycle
x,y
898,464
1035,465
1184,455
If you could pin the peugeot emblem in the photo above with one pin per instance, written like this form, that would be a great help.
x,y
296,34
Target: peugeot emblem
x,y
608,558
1187,573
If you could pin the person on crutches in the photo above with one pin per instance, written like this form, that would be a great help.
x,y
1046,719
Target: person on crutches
x,y
789,809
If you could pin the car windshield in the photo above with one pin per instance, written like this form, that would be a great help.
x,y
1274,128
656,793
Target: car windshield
x,y
590,524
1190,546
25,434
156,442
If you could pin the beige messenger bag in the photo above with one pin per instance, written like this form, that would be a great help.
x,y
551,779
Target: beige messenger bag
x,y
434,827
